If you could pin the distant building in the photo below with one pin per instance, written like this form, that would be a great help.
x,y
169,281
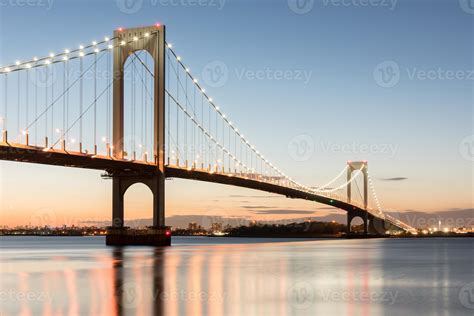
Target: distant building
x,y
192,226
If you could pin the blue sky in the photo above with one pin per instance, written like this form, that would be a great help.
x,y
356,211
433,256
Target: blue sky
x,y
418,128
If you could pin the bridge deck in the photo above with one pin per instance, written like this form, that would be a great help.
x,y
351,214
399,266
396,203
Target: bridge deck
x,y
32,154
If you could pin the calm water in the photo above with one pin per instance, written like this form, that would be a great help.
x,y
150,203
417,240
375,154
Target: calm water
x,y
227,276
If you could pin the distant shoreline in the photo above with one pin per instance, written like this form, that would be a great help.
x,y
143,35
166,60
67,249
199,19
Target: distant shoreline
x,y
467,235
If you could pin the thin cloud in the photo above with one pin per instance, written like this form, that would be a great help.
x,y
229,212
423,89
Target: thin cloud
x,y
254,196
282,212
257,207
394,179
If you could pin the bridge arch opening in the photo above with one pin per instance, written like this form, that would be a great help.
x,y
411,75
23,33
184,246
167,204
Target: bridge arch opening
x,y
138,205
356,224
139,96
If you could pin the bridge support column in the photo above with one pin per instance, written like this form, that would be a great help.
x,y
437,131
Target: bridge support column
x,y
117,203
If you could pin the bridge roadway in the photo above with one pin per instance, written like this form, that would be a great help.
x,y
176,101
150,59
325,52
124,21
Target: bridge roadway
x,y
32,154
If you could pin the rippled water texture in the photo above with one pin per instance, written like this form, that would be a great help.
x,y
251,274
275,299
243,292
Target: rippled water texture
x,y
228,276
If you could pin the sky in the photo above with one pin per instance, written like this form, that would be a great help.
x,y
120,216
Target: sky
x,y
414,125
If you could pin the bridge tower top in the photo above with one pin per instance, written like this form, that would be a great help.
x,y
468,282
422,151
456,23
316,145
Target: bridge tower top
x,y
358,165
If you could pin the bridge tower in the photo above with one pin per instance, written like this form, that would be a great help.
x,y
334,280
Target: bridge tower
x,y
126,46
355,166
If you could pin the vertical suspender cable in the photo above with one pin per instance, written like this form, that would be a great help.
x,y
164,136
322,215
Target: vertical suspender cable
x,y
142,100
52,100
168,86
217,139
46,107
109,112
209,141
95,104
5,119
64,99
201,145
146,110
185,118
18,103
27,101
223,145
177,113
36,105
81,100
67,100
132,105
194,152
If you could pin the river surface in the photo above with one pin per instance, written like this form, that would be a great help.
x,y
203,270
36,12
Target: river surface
x,y
231,276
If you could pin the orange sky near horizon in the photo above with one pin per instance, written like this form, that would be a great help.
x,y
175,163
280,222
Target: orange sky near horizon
x,y
56,196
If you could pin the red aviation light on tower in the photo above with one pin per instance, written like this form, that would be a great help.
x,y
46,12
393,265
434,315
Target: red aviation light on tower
x,y
158,24
120,29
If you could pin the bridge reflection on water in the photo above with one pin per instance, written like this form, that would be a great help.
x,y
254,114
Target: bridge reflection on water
x,y
79,276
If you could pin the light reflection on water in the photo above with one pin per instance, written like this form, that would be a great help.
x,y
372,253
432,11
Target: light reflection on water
x,y
225,276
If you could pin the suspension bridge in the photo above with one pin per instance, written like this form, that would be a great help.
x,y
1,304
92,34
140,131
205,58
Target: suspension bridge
x,y
129,106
